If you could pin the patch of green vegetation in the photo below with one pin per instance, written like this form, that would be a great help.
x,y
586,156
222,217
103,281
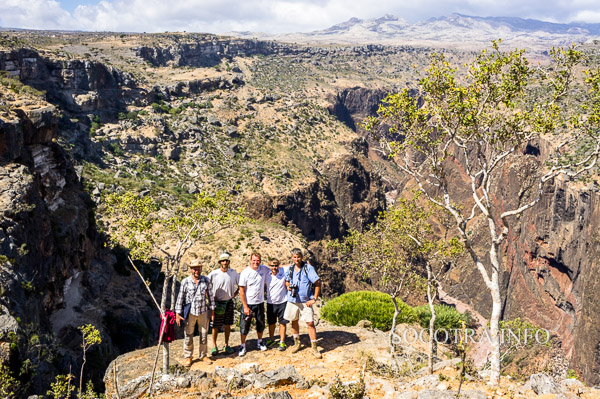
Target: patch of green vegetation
x,y
353,390
447,317
350,308
16,86
115,149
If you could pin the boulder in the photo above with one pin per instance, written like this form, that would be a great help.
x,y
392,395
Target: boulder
x,y
542,384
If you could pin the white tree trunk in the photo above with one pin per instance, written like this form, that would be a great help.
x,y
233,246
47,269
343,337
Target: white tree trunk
x,y
430,299
165,366
494,288
394,318
163,305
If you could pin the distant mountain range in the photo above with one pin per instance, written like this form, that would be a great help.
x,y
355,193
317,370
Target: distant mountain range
x,y
455,30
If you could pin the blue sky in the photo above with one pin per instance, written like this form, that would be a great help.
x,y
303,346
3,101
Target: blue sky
x,y
271,16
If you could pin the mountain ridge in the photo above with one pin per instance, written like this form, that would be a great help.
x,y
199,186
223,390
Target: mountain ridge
x,y
456,30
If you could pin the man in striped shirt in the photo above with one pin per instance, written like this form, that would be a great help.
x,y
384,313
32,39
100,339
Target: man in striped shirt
x,y
197,291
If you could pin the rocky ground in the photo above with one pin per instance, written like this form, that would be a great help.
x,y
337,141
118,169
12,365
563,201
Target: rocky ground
x,y
348,353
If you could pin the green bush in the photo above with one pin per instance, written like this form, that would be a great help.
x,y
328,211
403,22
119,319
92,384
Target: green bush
x,y
350,308
447,317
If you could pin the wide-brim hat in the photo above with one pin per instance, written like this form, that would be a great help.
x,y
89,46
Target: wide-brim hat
x,y
224,256
195,263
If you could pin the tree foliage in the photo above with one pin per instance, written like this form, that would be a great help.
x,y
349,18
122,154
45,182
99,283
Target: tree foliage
x,y
392,253
148,230
90,337
478,122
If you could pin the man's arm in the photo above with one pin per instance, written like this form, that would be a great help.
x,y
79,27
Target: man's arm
x,y
243,299
179,305
317,285
237,284
211,299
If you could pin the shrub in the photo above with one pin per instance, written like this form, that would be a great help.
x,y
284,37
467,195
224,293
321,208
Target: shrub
x,y
350,308
339,390
448,318
8,385
116,149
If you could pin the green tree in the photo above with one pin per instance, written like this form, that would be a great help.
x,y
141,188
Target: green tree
x,y
90,337
145,233
8,384
476,122
389,252
61,388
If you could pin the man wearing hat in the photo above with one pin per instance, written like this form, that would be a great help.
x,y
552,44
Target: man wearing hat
x,y
224,289
197,291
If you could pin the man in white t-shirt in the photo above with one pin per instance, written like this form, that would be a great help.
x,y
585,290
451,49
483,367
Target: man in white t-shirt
x,y
224,288
252,294
276,303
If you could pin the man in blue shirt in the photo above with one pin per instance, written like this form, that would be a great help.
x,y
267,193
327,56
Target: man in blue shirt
x,y
303,285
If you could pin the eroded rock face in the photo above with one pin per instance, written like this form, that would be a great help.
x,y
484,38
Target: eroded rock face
x,y
549,264
55,274
551,272
79,86
354,104
357,191
348,194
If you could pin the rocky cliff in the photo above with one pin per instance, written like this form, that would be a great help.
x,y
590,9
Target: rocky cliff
x,y
54,273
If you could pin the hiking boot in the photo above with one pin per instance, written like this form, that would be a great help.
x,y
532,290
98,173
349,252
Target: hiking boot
x,y
228,349
282,346
315,351
187,362
297,345
214,351
206,360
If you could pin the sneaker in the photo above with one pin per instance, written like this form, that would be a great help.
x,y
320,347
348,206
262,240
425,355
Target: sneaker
x,y
187,362
242,351
228,349
271,343
214,351
262,346
206,360
282,346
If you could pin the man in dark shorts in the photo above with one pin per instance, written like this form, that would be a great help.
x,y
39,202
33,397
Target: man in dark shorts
x,y
252,294
225,288
276,303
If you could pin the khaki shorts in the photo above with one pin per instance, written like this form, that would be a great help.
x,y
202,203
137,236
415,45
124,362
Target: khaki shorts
x,y
293,311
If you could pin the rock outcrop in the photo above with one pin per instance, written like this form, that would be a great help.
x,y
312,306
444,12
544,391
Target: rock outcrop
x,y
54,273
352,105
346,195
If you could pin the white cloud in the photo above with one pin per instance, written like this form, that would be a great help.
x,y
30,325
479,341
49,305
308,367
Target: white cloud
x,y
33,14
276,16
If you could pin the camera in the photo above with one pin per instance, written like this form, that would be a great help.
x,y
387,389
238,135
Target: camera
x,y
293,290
248,317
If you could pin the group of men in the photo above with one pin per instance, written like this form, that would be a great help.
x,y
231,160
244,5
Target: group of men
x,y
209,300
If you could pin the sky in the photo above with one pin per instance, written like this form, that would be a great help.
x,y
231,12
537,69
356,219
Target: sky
x,y
269,16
